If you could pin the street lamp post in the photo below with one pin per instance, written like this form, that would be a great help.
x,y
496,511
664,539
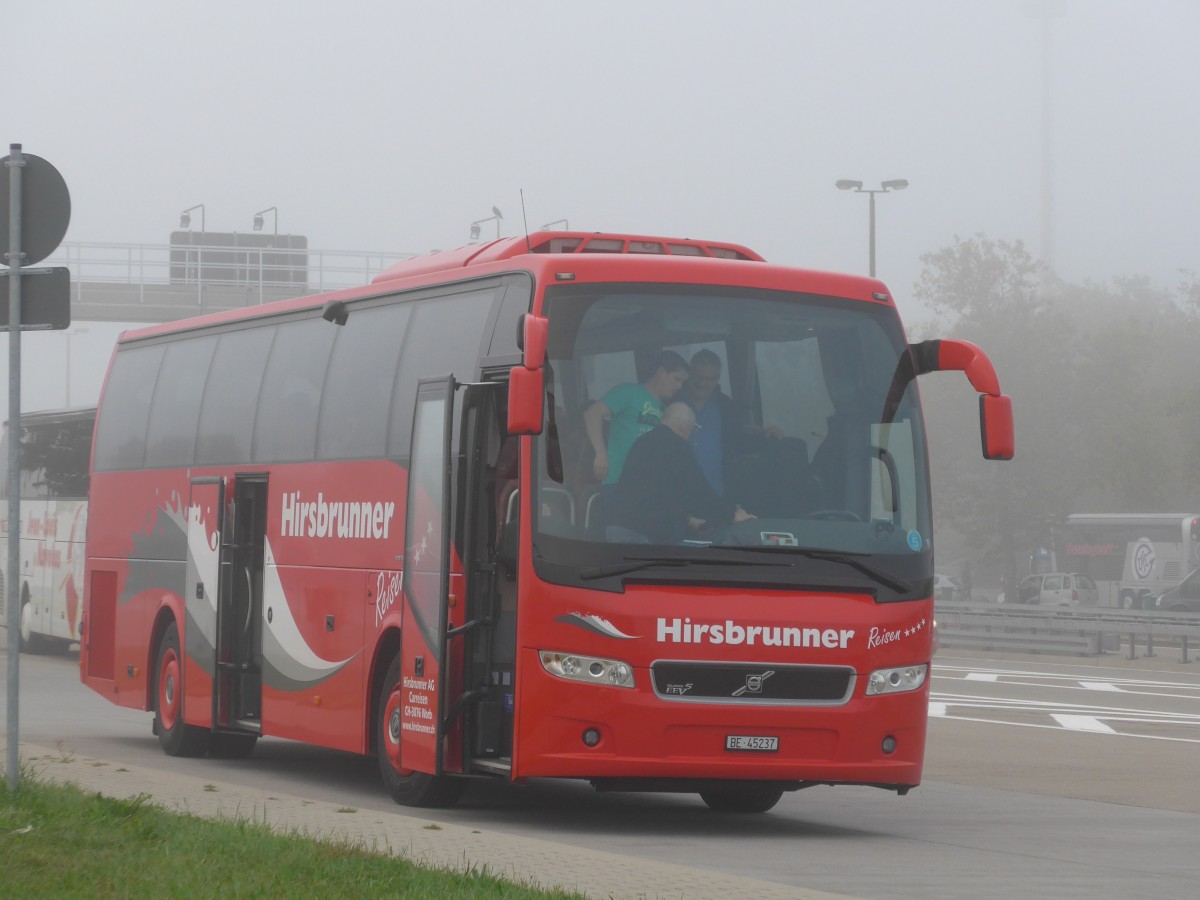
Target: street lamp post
x,y
258,224
185,217
185,221
896,184
258,219
494,217
67,335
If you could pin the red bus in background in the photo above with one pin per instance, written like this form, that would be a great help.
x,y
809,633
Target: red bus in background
x,y
370,521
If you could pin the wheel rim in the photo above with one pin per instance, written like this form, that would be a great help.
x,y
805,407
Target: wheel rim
x,y
391,731
168,689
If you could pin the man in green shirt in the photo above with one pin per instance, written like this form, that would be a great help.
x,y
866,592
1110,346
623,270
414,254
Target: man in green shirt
x,y
630,410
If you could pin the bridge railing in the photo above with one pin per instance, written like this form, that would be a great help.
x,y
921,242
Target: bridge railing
x,y
1089,631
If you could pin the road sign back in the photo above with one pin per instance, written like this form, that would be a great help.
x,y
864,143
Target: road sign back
x,y
45,209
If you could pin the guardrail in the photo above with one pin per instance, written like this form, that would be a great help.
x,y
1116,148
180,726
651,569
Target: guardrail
x,y
1087,632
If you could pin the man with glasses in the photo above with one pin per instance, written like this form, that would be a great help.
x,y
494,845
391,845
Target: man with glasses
x,y
662,496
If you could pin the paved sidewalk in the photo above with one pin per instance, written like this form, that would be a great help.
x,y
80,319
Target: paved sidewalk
x,y
526,860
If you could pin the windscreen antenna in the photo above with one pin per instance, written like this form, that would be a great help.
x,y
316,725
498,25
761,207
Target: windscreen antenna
x,y
525,221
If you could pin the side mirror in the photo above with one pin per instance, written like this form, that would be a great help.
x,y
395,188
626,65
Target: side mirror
x,y
996,426
995,409
532,334
526,398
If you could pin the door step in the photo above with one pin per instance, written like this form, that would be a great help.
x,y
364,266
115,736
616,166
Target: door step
x,y
501,766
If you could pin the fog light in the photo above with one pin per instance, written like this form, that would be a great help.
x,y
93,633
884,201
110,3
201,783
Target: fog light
x,y
889,745
591,737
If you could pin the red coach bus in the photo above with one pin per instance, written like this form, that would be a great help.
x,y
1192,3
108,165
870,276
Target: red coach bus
x,y
370,520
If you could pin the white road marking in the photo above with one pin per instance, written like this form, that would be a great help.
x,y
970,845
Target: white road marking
x,y
1082,723
965,702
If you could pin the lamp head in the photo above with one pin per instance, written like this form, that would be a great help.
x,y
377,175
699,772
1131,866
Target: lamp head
x,y
845,184
474,231
258,222
185,220
896,184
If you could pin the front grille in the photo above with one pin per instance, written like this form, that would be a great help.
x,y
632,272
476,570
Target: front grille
x,y
753,683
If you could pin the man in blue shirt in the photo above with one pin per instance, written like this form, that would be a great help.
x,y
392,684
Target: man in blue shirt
x,y
714,416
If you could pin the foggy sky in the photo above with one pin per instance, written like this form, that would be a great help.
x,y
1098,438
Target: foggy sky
x,y
390,126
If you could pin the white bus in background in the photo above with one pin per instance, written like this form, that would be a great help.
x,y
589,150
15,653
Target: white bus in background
x,y
56,449
1129,555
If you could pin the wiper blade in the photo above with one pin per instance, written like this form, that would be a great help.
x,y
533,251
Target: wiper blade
x,y
635,563
853,560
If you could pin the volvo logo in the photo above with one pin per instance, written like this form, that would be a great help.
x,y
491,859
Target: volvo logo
x,y
754,683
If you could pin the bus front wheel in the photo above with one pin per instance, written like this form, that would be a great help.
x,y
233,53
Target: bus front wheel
x,y
408,788
741,798
30,642
175,736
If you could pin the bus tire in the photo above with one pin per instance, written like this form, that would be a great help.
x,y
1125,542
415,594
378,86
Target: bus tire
x,y
175,736
30,642
749,797
232,744
407,788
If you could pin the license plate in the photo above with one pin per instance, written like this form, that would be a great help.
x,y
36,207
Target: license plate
x,y
751,743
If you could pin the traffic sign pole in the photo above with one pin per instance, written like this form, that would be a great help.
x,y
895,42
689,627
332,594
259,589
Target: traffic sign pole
x,y
30,238
15,163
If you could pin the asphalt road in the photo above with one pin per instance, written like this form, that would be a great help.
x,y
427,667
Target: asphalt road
x,y
1044,778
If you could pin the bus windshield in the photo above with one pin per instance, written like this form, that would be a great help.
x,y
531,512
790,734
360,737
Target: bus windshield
x,y
809,444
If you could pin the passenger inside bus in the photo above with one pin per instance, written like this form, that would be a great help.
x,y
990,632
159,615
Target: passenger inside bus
x,y
631,410
663,495
716,418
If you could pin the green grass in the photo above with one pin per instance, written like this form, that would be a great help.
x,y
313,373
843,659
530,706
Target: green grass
x,y
57,841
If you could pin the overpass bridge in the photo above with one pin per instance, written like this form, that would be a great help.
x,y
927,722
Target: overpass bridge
x,y
113,282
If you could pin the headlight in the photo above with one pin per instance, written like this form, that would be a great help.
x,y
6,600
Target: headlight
x,y
590,669
896,681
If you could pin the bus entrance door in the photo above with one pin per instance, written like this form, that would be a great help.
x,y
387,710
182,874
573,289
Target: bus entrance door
x,y
490,548
419,708
238,695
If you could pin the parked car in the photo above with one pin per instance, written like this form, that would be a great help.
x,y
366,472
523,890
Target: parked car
x,y
1184,597
1058,589
947,588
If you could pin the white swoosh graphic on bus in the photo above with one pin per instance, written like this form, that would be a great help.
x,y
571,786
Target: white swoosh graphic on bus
x,y
285,652
203,553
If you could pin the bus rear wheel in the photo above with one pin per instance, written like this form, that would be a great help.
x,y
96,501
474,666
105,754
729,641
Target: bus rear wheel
x,y
741,798
175,736
408,788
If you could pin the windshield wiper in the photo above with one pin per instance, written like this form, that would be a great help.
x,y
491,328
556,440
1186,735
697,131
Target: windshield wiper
x,y
852,560
634,563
